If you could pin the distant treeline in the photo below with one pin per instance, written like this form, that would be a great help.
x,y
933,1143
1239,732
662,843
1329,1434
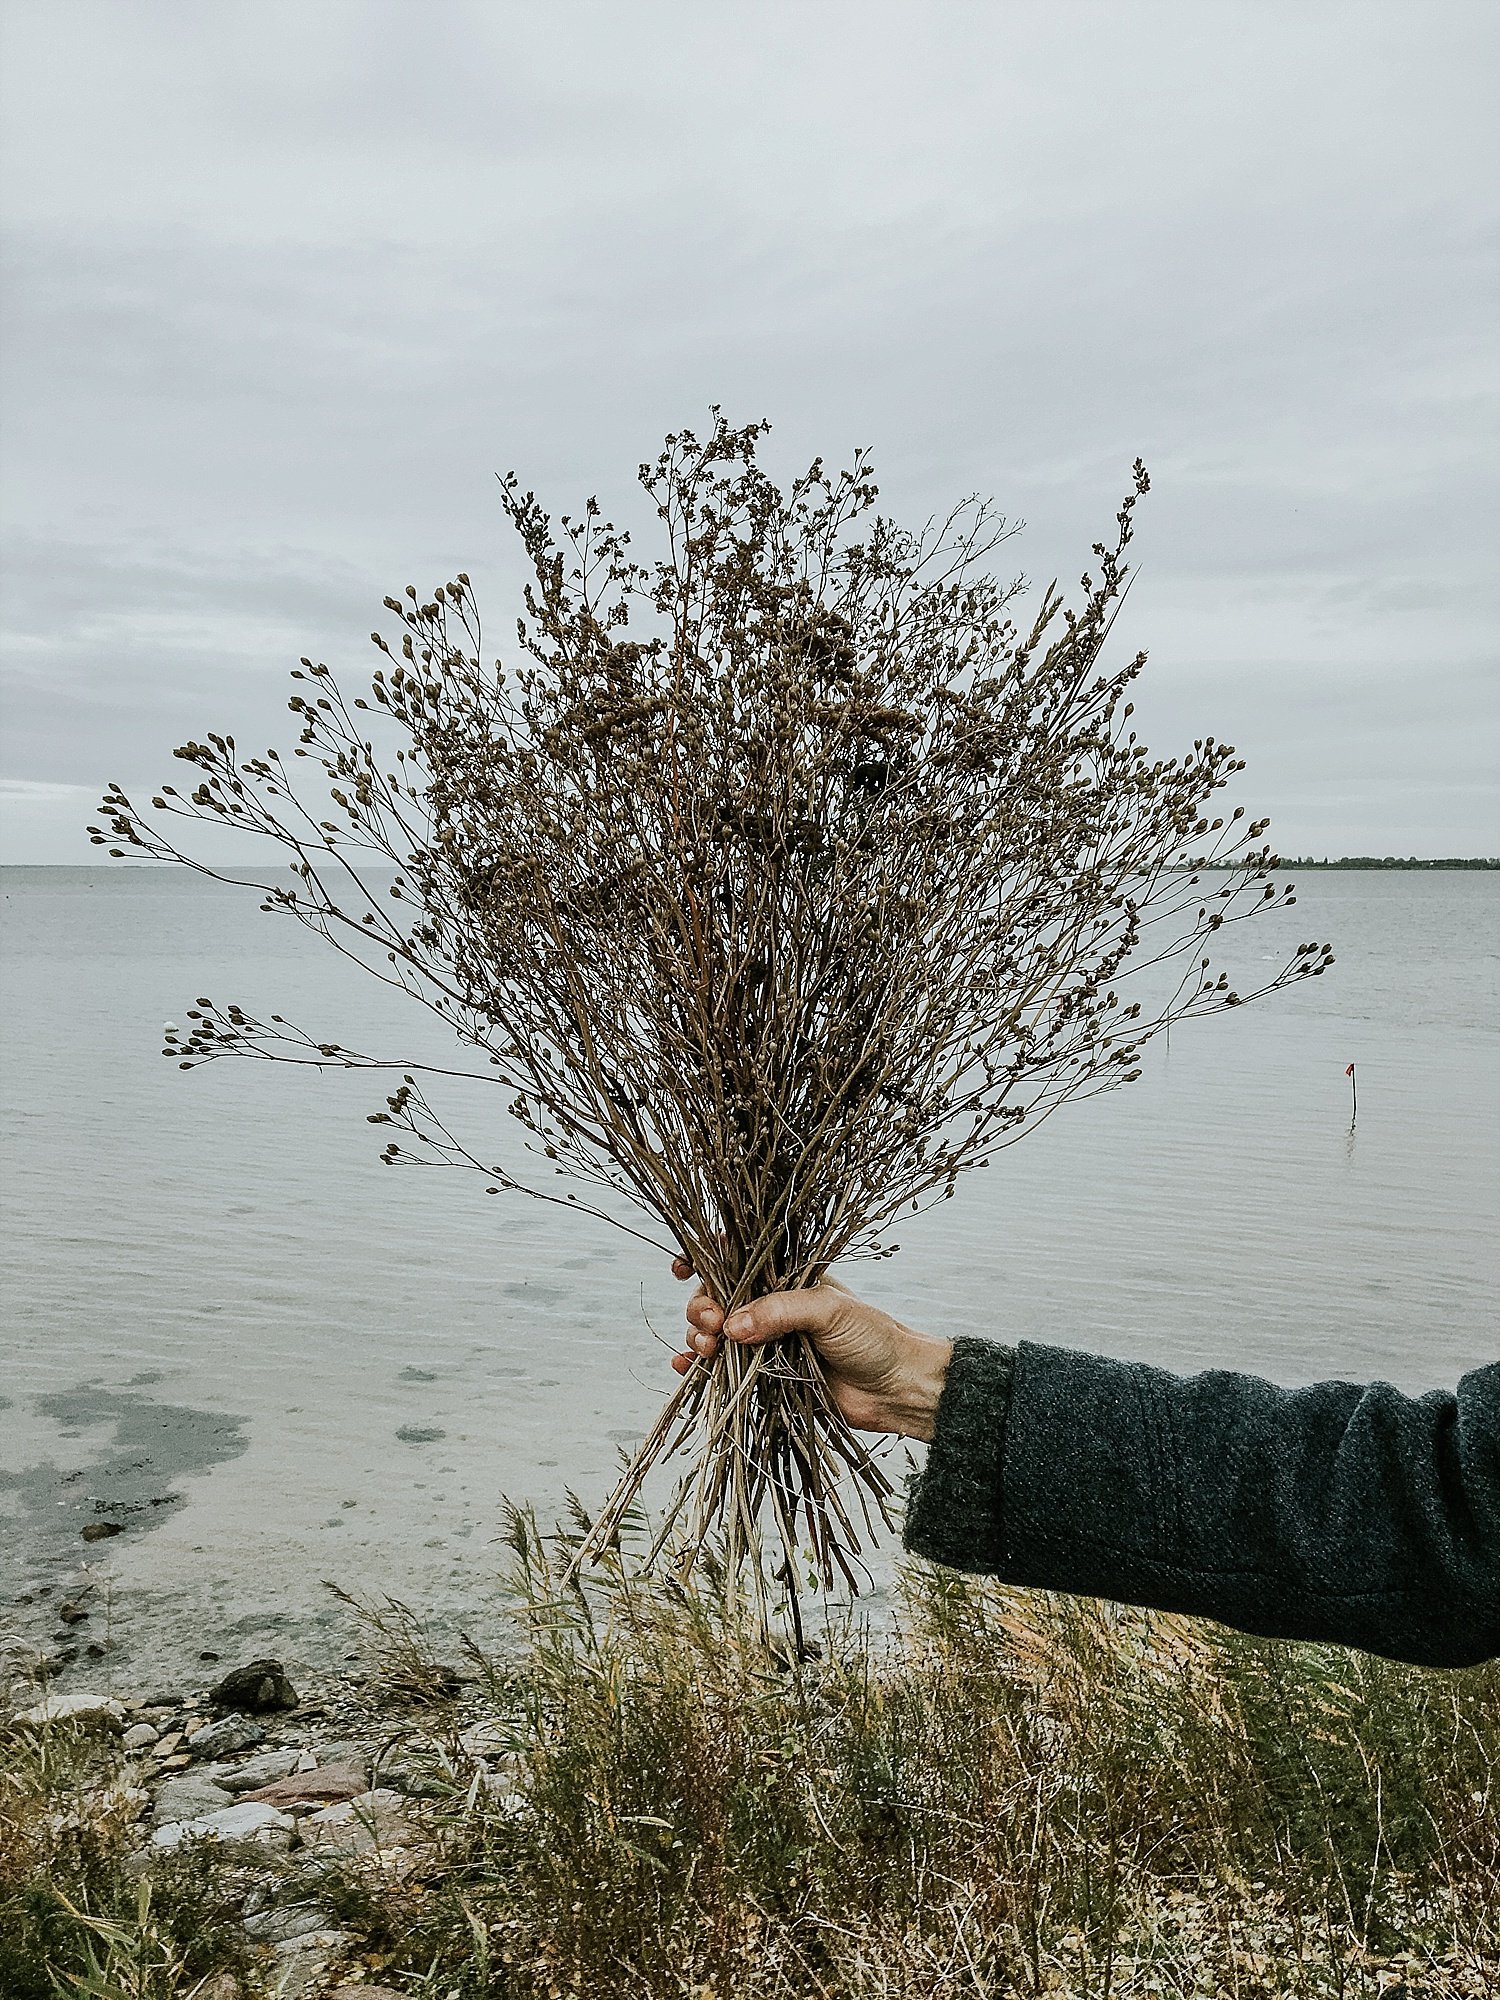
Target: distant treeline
x,y
1371,861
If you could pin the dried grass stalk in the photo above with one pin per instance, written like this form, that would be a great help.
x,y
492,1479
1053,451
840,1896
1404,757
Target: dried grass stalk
x,y
779,881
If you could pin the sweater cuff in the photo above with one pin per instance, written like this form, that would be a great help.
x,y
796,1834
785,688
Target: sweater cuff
x,y
953,1510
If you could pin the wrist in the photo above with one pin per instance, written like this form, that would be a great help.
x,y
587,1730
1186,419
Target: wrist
x,y
918,1389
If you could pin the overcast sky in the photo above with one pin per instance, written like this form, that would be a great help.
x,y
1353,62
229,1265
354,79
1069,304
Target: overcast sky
x,y
287,285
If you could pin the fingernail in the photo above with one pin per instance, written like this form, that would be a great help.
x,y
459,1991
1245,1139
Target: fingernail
x,y
739,1324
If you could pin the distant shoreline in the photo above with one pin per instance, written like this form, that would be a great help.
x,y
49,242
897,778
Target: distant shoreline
x,y
1371,861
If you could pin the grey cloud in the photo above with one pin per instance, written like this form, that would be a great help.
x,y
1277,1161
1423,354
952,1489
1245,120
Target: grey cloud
x,y
285,293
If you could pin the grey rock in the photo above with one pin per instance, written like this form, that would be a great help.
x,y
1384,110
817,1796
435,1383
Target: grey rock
x,y
309,1875
140,1736
258,1687
514,1805
188,1797
241,1822
419,1775
230,1733
305,1961
342,1751
325,1784
368,1824
259,1770
281,1925
323,1942
491,1739
97,1710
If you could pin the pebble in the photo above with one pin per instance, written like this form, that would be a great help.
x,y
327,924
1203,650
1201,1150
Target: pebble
x,y
504,1793
338,1750
140,1736
218,1739
361,1825
257,1687
95,1708
325,1942
260,1770
415,1769
189,1798
280,1924
488,1739
305,1960
326,1784
263,1825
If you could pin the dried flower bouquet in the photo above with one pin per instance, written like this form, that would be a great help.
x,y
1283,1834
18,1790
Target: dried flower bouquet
x,y
779,882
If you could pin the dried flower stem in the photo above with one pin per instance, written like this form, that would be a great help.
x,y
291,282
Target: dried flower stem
x,y
780,882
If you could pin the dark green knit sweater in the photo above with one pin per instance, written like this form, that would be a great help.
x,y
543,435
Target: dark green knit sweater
x,y
1341,1512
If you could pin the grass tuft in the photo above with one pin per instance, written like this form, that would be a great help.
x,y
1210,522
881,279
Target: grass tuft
x,y
74,1918
1005,1794
1010,1794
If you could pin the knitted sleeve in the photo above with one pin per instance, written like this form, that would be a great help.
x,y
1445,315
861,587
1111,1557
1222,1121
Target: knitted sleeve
x,y
1342,1512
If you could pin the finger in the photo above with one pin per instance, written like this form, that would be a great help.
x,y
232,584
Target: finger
x,y
701,1311
781,1313
701,1347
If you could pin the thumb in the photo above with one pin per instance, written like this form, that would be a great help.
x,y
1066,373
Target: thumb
x,y
780,1313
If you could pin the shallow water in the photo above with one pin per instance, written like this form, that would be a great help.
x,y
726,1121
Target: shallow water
x,y
274,1361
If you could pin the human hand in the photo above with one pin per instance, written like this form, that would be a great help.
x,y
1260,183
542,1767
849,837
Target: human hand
x,y
883,1375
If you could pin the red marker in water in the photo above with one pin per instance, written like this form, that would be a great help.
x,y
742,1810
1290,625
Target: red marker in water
x,y
1353,1092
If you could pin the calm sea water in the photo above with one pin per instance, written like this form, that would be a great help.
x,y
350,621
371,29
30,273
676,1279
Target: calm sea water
x,y
273,1361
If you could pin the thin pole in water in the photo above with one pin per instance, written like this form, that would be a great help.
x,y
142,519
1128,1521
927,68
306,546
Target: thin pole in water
x,y
1353,1096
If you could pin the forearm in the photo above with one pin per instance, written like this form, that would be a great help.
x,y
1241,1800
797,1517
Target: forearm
x,y
1340,1512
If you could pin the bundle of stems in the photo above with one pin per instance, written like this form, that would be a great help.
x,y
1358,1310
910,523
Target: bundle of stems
x,y
778,881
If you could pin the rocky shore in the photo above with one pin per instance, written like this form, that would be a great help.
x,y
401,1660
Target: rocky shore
x,y
298,1790
638,1797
